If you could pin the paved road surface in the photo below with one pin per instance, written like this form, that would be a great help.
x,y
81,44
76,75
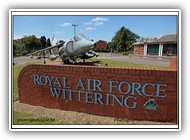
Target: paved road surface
x,y
24,60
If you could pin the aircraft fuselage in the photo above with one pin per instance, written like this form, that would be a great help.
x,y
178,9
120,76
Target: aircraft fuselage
x,y
76,47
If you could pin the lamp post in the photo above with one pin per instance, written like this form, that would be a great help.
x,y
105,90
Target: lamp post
x,y
74,25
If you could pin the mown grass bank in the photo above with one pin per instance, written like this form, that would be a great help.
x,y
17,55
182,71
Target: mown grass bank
x,y
116,63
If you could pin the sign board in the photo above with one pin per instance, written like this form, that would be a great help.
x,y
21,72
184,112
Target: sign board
x,y
138,94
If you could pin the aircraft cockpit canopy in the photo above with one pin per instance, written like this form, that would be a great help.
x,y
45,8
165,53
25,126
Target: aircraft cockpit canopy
x,y
79,37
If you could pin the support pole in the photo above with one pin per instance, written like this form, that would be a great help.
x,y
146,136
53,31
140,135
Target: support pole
x,y
44,57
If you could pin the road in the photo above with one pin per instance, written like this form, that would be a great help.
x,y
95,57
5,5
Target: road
x,y
24,60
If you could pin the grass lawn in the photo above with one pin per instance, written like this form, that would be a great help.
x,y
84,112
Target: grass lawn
x,y
16,71
25,119
123,64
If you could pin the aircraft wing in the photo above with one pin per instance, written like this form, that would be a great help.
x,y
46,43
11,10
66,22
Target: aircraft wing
x,y
48,48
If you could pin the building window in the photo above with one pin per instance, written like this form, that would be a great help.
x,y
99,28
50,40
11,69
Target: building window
x,y
153,48
170,48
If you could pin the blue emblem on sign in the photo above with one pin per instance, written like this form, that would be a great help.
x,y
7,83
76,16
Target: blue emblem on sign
x,y
151,105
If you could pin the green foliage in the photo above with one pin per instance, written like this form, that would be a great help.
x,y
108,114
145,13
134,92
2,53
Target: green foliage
x,y
23,53
16,71
123,40
115,63
43,42
48,42
14,50
18,47
145,39
112,46
31,43
29,119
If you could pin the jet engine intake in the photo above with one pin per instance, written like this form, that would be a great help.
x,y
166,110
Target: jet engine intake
x,y
68,47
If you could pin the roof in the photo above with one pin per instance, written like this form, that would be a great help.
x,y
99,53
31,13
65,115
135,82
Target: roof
x,y
172,38
167,38
102,41
138,43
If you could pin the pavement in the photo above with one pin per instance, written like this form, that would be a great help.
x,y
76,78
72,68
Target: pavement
x,y
25,59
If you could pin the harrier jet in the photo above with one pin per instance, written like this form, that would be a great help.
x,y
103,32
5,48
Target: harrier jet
x,y
71,50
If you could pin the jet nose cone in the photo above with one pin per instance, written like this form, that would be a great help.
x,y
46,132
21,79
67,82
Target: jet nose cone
x,y
88,45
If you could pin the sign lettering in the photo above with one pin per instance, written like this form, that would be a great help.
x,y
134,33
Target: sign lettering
x,y
91,90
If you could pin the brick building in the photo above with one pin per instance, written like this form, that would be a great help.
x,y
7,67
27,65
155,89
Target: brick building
x,y
101,46
163,46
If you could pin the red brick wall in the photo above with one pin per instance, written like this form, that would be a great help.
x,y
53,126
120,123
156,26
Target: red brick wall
x,y
173,64
101,45
138,50
32,93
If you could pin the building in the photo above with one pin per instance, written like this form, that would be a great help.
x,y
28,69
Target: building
x,y
166,45
101,46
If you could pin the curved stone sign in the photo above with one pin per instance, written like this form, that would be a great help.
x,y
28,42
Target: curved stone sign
x,y
140,94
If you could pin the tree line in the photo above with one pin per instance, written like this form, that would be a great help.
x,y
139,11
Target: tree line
x,y
121,42
29,43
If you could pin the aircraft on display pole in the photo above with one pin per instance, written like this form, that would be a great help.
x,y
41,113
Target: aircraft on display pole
x,y
71,50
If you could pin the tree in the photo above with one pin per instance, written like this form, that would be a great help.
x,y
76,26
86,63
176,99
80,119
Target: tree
x,y
19,45
14,50
145,39
48,42
43,42
124,39
31,43
112,46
